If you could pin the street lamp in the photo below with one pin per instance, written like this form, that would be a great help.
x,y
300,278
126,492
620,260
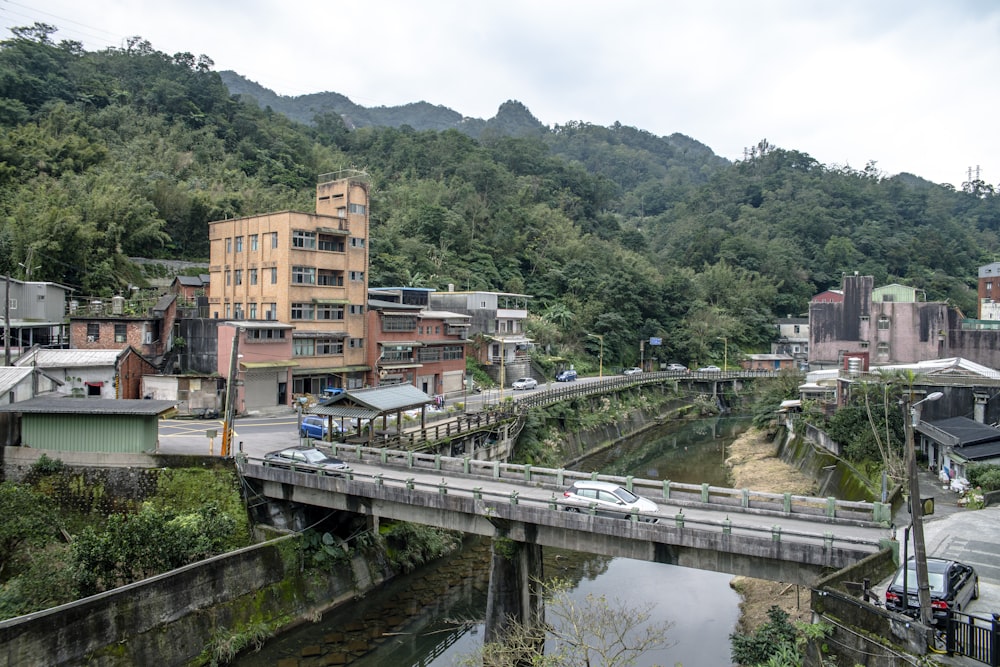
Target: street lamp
x,y
911,417
725,353
600,339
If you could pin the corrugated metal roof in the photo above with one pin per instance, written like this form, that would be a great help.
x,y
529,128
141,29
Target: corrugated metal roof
x,y
69,358
444,315
10,376
97,406
370,403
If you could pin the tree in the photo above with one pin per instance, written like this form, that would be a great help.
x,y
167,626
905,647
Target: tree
x,y
26,518
594,632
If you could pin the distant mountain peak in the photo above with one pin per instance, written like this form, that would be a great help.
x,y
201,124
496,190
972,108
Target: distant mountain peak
x,y
512,119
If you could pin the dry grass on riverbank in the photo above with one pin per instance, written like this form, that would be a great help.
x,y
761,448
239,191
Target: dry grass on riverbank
x,y
753,464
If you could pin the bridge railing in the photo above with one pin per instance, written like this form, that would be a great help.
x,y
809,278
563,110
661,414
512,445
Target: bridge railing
x,y
456,425
562,391
736,500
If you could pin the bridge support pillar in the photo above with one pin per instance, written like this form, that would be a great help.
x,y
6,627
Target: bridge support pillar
x,y
515,592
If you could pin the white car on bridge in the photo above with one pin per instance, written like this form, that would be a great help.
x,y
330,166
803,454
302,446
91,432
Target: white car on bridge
x,y
608,500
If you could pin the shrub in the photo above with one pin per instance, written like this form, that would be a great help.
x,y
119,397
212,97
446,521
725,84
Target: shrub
x,y
984,475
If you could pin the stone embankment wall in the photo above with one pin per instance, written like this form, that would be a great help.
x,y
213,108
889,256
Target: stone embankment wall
x,y
577,444
171,619
834,476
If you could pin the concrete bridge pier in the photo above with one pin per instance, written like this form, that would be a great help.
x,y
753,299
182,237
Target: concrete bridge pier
x,y
515,591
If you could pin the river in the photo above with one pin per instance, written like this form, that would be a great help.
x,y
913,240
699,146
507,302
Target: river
x,y
433,617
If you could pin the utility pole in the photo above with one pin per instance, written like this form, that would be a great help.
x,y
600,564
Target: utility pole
x,y
227,426
911,416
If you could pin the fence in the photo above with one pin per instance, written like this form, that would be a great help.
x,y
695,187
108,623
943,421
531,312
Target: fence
x,y
703,495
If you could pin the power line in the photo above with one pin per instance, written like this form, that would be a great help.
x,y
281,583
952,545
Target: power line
x,y
90,32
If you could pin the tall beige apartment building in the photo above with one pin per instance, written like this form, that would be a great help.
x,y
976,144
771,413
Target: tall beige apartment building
x,y
309,270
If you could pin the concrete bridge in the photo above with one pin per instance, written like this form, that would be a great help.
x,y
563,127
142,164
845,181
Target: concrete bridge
x,y
781,537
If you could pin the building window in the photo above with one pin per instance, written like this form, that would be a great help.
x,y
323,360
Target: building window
x,y
274,240
303,347
454,351
882,351
355,309
252,307
303,239
304,275
428,354
328,312
303,311
329,346
229,310
121,335
254,242
357,209
229,246
252,275
274,275
239,244
270,311
93,332
229,278
330,243
238,276
330,278
395,354
355,343
357,275
357,242
883,323
265,334
238,311
399,323
796,328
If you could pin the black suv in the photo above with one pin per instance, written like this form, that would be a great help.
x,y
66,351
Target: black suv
x,y
953,586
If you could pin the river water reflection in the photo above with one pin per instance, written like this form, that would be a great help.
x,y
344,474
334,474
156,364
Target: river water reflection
x,y
433,617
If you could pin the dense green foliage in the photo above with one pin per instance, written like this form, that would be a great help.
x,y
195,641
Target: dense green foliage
x,y
985,476
612,230
60,553
136,546
27,519
775,637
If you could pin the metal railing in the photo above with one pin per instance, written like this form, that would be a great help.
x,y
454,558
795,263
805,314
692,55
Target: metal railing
x,y
704,496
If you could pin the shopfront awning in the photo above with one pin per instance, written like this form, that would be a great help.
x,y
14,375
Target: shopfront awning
x,y
268,364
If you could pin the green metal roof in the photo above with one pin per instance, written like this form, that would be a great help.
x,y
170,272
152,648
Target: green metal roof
x,y
95,406
370,403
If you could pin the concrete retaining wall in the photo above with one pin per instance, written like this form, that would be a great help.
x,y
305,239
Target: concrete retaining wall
x,y
171,618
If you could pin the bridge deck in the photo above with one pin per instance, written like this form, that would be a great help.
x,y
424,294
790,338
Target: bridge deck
x,y
768,543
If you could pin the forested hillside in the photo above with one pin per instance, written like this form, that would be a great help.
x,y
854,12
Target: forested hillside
x,y
614,231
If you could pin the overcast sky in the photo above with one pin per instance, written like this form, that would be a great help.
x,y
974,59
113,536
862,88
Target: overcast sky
x,y
910,84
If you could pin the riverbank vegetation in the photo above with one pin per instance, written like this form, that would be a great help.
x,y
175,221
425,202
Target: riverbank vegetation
x,y
592,631
558,433
754,464
63,538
